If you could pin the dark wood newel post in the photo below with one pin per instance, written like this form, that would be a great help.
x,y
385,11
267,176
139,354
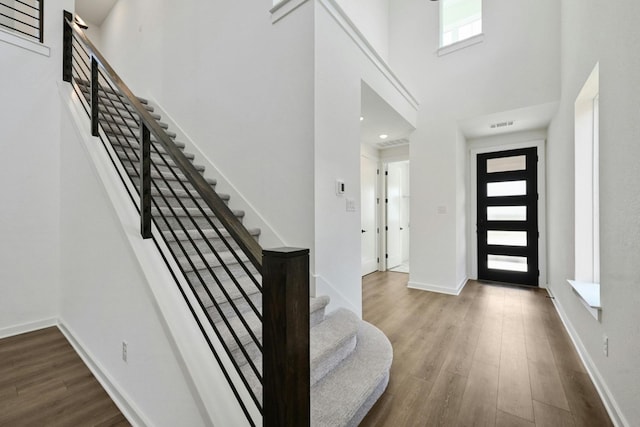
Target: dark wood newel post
x,y
67,52
285,308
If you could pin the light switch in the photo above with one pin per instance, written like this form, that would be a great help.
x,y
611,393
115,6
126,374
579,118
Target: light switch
x,y
351,205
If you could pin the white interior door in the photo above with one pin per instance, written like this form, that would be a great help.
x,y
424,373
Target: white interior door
x,y
368,178
394,215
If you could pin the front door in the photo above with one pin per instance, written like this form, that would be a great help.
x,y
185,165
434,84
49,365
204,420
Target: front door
x,y
507,224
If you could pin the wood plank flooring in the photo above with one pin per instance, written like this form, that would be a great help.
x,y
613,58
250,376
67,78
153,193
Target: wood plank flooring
x,y
43,382
492,356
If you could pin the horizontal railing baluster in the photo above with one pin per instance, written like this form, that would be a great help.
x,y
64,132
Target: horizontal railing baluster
x,y
23,18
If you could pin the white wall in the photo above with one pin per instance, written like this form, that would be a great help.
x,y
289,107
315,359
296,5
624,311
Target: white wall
x,y
340,67
592,31
515,66
105,298
372,19
240,87
30,179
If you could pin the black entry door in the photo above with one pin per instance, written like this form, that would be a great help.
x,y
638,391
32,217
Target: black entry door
x,y
508,216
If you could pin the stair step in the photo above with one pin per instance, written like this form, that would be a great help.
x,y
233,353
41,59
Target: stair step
x,y
224,304
353,387
111,100
211,238
211,260
165,196
317,307
164,175
121,110
178,218
112,129
84,85
331,342
132,143
126,153
128,121
245,338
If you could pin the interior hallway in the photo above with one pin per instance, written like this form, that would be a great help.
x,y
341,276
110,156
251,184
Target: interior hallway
x,y
494,355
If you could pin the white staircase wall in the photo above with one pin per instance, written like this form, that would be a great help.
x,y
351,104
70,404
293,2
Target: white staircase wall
x,y
30,177
106,298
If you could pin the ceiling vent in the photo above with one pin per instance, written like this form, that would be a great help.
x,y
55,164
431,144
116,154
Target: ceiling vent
x,y
502,125
395,143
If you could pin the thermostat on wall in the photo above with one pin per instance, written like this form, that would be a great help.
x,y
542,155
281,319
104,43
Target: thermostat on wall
x,y
339,187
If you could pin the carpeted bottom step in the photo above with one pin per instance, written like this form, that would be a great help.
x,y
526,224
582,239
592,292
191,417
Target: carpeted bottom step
x,y
345,395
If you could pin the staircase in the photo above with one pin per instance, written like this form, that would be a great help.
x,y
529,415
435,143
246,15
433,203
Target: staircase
x,y
349,358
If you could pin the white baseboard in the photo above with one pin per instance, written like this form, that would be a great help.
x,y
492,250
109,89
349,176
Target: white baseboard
x,y
27,327
608,400
121,400
437,288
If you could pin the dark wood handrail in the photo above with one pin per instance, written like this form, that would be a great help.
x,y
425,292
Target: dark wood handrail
x,y
223,213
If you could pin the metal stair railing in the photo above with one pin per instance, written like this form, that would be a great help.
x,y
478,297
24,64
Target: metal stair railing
x,y
25,17
175,196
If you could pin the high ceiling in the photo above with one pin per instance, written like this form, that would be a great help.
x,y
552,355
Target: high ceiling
x,y
94,11
379,118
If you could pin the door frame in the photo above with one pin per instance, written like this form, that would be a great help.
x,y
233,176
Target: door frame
x,y
377,214
472,209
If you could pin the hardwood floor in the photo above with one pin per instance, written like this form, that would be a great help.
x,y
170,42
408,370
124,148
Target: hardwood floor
x,y
492,356
43,382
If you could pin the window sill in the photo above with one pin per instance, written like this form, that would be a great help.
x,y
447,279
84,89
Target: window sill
x,y
445,50
589,294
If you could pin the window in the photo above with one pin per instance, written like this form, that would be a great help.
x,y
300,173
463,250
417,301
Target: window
x,y
459,20
587,194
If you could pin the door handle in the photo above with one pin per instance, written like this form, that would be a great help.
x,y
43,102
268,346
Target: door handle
x,y
363,231
401,228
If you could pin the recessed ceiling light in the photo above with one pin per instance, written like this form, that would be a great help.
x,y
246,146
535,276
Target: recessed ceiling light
x,y
361,118
384,136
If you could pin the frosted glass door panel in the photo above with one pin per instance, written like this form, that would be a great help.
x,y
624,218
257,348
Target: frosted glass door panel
x,y
507,188
506,213
507,238
507,164
508,263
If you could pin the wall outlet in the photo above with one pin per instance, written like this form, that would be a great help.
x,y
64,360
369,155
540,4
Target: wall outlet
x,y
605,345
124,351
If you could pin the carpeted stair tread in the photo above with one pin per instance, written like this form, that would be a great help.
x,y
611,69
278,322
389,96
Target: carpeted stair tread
x,y
164,174
317,306
244,337
346,393
113,129
331,342
209,259
209,233
85,85
182,194
132,143
194,212
245,282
